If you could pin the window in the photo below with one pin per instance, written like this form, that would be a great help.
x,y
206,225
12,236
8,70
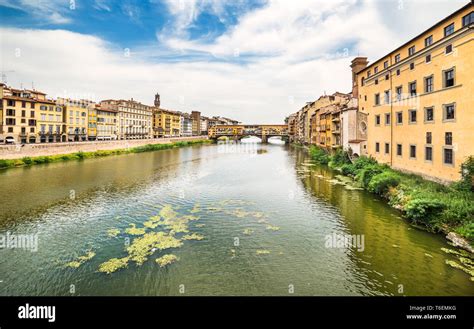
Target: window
x,y
10,121
448,138
399,116
428,153
412,66
377,99
376,70
387,148
448,30
23,104
468,19
429,114
412,88
387,76
386,95
387,118
376,81
397,58
398,91
428,41
398,71
449,78
429,84
413,151
448,156
32,105
449,49
411,50
377,147
429,137
428,58
362,81
10,112
412,116
449,112
385,64
10,102
399,150
368,74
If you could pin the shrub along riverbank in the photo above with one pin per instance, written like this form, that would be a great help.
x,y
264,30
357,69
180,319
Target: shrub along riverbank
x,y
29,161
435,206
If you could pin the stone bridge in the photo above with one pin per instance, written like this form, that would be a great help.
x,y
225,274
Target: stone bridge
x,y
237,132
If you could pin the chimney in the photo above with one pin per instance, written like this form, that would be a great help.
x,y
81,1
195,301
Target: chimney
x,y
357,65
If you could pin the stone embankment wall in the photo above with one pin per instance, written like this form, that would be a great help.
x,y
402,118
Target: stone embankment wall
x,y
32,150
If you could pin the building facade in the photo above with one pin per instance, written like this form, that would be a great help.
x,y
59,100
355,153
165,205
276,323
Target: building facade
x,y
419,100
134,119
76,116
166,123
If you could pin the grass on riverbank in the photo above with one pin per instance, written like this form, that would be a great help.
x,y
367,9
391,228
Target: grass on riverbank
x,y
29,161
438,207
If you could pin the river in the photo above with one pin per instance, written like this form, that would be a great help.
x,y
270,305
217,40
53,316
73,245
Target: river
x,y
265,217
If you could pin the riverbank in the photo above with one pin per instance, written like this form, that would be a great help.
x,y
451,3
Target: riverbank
x,y
436,207
102,149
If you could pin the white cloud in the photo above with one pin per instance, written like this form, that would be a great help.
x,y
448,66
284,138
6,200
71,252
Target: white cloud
x,y
50,11
298,47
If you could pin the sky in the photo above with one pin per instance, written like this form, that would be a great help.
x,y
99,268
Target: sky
x,y
254,61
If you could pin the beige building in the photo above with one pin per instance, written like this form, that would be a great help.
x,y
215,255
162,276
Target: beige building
x,y
419,100
106,123
134,119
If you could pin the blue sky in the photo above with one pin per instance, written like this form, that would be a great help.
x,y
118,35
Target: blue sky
x,y
256,61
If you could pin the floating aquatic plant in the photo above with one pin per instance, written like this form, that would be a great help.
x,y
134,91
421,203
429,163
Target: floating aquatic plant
x,y
273,228
113,265
454,264
145,246
167,212
248,231
190,217
196,208
193,236
113,232
133,230
166,260
151,224
178,227
81,259
262,252
155,219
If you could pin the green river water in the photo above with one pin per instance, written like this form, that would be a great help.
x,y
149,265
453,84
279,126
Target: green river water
x,y
264,217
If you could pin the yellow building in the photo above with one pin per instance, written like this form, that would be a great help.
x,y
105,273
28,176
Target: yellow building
x,y
419,100
76,113
92,122
166,123
106,124
28,117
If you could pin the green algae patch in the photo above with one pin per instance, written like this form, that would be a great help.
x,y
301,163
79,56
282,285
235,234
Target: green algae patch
x,y
155,219
457,252
151,224
454,264
113,265
272,228
190,218
200,225
193,236
133,230
81,260
178,227
248,231
113,232
146,245
166,260
262,252
167,213
196,208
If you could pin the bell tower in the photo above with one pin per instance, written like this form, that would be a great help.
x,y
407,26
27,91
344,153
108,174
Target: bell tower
x,y
157,100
